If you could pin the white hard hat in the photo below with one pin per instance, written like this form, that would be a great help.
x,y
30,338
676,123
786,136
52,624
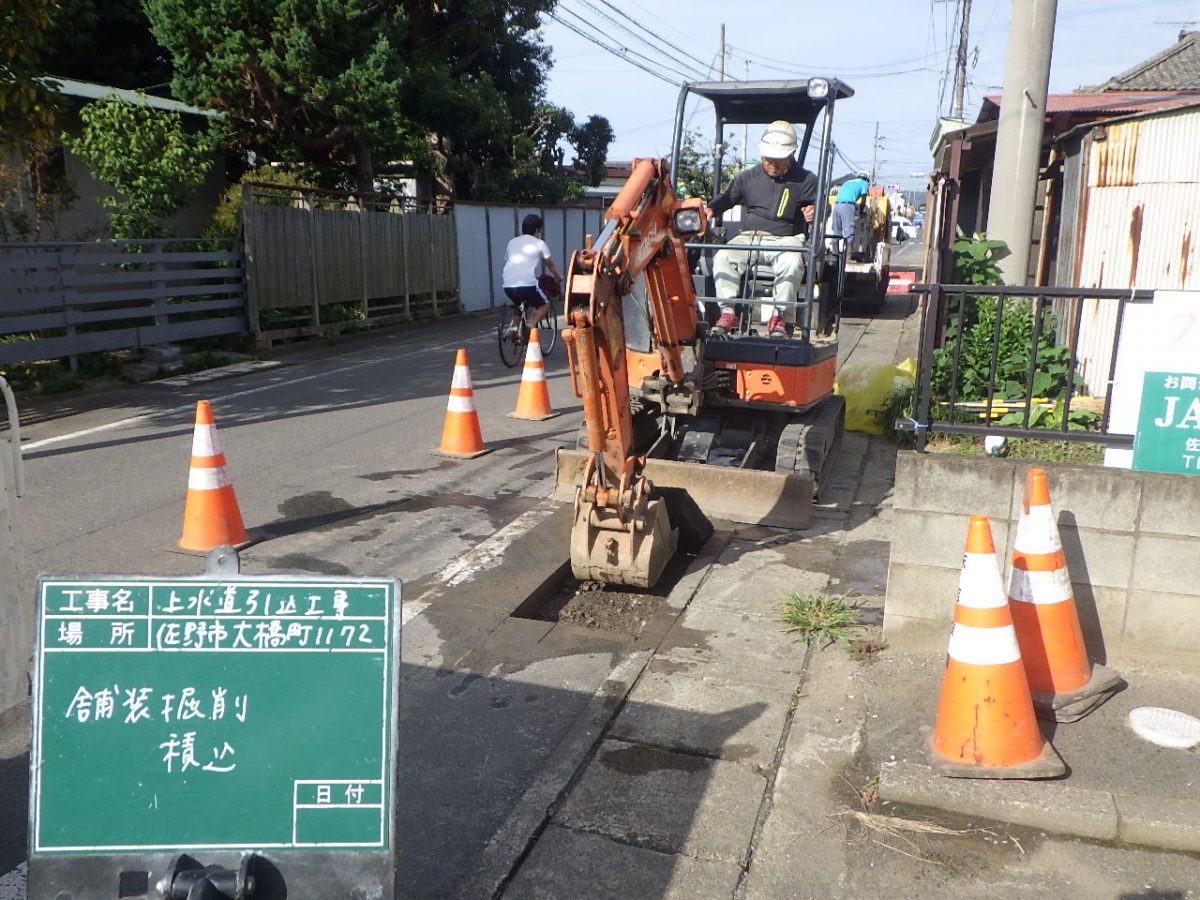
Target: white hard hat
x,y
778,140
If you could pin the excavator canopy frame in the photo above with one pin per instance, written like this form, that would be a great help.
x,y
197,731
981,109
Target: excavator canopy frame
x,y
757,102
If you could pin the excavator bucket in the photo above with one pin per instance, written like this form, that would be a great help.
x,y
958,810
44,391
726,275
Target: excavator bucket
x,y
747,496
605,549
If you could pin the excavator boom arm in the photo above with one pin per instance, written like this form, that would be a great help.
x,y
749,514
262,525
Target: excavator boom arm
x,y
643,239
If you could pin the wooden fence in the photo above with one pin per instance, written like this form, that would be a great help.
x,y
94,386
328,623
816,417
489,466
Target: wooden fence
x,y
315,258
61,300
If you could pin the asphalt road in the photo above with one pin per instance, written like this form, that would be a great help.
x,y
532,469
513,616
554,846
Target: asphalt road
x,y
330,456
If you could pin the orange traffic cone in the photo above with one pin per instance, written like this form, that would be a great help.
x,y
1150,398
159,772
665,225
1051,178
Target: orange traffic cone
x,y
1065,685
211,516
985,725
533,400
461,437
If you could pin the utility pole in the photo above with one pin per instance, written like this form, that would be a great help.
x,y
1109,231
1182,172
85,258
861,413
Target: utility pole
x,y
960,66
719,146
1019,134
721,56
875,155
745,127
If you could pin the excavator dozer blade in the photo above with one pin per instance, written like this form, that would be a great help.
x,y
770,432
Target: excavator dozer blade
x,y
615,555
747,496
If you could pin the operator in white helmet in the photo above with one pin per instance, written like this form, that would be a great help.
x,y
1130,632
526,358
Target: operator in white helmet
x,y
779,197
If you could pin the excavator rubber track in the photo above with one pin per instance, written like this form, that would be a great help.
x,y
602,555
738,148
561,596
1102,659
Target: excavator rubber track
x,y
807,443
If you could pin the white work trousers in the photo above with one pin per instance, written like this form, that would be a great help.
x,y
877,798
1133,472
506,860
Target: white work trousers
x,y
787,267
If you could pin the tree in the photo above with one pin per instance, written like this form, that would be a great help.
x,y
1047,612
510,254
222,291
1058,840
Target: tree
x,y
27,105
317,81
591,140
32,186
108,42
694,169
477,76
148,157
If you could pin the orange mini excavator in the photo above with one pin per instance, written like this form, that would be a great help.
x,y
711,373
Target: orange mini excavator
x,y
680,424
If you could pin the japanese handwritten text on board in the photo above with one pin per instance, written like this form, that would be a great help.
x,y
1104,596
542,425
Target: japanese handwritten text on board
x,y
213,713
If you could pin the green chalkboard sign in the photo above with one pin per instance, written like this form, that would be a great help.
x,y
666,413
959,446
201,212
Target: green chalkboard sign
x,y
214,713
1168,431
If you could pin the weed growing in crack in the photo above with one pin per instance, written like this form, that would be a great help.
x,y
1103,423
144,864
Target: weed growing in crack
x,y
818,617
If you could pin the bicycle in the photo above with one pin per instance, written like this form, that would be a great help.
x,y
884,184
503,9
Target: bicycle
x,y
512,332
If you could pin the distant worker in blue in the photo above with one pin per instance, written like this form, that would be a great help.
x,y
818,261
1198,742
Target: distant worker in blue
x,y
845,203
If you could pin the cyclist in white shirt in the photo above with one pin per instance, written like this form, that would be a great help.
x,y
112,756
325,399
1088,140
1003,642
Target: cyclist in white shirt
x,y
525,257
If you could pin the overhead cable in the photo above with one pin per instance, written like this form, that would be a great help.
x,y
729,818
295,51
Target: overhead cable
x,y
598,31
656,44
620,53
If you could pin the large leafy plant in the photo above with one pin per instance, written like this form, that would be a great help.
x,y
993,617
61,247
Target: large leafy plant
x,y
987,327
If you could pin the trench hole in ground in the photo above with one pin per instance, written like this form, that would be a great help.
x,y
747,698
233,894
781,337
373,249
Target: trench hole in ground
x,y
604,607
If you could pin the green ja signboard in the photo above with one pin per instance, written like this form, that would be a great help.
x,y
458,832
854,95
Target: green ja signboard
x,y
210,713
1168,431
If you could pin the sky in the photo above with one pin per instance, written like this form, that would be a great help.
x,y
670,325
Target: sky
x,y
897,55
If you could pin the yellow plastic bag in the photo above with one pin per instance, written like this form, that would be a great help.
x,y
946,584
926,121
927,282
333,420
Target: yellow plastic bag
x,y
866,390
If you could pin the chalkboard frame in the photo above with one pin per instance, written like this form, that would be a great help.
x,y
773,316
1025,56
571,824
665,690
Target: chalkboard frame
x,y
309,869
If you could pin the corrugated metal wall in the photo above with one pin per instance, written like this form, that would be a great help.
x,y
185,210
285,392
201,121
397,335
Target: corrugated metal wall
x,y
1139,212
1143,205
484,230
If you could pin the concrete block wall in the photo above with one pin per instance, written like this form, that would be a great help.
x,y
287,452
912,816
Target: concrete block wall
x,y
1131,539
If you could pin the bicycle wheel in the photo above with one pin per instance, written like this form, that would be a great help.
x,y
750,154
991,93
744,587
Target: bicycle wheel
x,y
548,332
508,334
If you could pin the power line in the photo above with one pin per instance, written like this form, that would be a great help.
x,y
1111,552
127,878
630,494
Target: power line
x,y
622,53
849,162
658,41
782,65
668,24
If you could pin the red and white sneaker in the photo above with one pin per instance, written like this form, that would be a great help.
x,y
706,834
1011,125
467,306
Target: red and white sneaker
x,y
776,327
725,324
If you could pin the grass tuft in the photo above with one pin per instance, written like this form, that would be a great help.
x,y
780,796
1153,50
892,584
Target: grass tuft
x,y
819,617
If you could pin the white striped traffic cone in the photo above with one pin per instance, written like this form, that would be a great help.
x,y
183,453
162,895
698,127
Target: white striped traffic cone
x,y
211,516
533,399
1065,684
461,437
985,725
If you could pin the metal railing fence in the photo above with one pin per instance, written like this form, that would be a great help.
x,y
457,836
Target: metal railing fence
x,y
944,312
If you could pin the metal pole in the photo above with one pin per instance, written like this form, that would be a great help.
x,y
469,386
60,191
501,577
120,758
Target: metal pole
x,y
721,56
1019,138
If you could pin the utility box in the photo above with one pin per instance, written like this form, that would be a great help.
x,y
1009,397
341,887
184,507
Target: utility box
x,y
229,732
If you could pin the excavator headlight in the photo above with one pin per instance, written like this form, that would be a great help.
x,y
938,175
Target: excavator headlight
x,y
687,221
818,88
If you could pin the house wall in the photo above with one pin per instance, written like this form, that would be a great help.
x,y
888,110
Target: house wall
x,y
85,219
1129,539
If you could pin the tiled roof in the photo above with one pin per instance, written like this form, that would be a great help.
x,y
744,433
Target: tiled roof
x,y
1176,68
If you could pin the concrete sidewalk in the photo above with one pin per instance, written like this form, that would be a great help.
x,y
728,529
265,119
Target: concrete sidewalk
x,y
734,762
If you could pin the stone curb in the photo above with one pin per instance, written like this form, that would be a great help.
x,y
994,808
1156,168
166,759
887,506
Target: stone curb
x,y
1053,806
1170,824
